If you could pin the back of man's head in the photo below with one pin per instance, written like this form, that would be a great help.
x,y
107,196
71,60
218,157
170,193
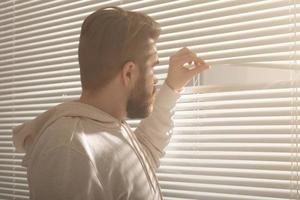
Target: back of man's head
x,y
111,37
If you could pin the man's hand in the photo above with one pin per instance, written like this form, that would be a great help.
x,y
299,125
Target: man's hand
x,y
179,76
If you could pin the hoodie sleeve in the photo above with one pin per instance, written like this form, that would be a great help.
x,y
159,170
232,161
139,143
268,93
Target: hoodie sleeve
x,y
64,173
154,131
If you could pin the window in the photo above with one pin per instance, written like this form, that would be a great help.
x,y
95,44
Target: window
x,y
235,134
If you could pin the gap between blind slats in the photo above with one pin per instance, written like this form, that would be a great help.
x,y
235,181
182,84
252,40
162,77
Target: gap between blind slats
x,y
264,129
241,147
244,103
242,88
264,183
224,97
236,112
231,138
227,172
230,164
196,195
229,155
237,121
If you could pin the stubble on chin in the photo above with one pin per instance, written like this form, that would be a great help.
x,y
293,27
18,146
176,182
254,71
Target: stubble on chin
x,y
140,104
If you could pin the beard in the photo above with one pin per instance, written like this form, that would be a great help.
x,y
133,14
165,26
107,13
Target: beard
x,y
140,101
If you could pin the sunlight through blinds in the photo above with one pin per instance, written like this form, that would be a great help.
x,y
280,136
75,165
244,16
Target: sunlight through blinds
x,y
227,143
231,142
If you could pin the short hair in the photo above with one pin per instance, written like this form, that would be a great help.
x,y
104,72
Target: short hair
x,y
110,37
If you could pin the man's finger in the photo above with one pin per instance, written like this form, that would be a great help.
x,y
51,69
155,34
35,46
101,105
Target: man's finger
x,y
191,59
199,68
186,56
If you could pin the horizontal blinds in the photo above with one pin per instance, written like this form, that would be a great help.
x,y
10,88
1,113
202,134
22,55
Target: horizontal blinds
x,y
225,146
39,69
235,33
12,177
232,144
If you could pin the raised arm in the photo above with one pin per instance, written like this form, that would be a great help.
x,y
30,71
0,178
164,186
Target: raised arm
x,y
154,131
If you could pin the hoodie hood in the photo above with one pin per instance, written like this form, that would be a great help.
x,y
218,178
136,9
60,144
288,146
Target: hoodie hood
x,y
26,134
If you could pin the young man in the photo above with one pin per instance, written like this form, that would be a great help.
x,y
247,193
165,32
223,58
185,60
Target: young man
x,y
84,149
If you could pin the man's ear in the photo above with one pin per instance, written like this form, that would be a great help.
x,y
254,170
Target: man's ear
x,y
129,73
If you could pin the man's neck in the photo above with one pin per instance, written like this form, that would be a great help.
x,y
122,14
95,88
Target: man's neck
x,y
110,102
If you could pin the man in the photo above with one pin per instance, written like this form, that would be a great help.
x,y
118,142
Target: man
x,y
84,149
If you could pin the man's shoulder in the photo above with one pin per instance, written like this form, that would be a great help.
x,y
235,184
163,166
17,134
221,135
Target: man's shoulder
x,y
80,134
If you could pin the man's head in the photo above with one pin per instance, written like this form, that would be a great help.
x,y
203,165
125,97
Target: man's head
x,y
141,98
113,40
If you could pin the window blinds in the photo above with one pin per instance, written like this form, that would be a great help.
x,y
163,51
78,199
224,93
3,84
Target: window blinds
x,y
232,143
228,142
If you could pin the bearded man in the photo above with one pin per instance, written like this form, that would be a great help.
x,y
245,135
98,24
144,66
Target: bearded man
x,y
84,149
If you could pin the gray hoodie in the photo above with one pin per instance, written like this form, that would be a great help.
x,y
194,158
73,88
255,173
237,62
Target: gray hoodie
x,y
76,151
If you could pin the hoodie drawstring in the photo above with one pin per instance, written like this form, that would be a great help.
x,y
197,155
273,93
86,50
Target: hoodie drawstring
x,y
143,159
